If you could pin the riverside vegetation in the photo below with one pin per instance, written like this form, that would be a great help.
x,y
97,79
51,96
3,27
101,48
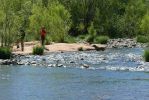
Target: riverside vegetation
x,y
93,21
38,50
146,55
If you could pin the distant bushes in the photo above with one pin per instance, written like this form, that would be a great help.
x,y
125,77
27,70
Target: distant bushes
x,y
93,37
142,39
97,39
5,53
102,39
146,55
38,50
92,34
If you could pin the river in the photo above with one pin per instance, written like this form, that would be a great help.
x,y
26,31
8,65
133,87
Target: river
x,y
114,74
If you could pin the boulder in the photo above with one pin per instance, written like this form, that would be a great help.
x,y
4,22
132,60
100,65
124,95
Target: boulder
x,y
99,47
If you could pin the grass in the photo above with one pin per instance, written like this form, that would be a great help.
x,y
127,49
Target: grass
x,y
142,39
5,53
38,50
101,39
146,55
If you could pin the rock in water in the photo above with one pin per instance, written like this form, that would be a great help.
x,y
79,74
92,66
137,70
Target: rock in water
x,y
85,66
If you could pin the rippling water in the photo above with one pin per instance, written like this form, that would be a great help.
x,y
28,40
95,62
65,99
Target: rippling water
x,y
117,74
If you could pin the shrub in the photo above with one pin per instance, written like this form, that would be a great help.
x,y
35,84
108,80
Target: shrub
x,y
5,53
90,38
38,50
142,39
102,39
70,39
92,34
81,37
146,55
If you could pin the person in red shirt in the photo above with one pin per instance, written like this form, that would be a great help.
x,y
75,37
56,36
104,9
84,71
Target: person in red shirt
x,y
43,35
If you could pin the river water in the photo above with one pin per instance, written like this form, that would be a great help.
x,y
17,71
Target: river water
x,y
115,74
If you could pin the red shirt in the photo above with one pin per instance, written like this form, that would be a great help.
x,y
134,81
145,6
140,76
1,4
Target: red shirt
x,y
43,32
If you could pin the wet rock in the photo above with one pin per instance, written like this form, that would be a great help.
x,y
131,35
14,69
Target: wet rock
x,y
60,65
50,65
20,63
85,66
82,59
72,62
5,62
43,59
33,62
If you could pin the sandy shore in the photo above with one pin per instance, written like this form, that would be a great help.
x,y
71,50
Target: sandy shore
x,y
56,47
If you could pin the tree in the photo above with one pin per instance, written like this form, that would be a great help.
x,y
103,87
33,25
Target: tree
x,y
54,17
145,24
14,16
129,23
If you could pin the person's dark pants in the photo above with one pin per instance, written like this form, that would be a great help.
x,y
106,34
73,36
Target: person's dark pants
x,y
42,40
22,44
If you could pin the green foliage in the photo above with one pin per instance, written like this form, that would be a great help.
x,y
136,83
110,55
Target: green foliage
x,y
70,39
48,40
5,53
102,39
142,39
14,15
38,50
145,24
146,55
92,34
54,17
116,18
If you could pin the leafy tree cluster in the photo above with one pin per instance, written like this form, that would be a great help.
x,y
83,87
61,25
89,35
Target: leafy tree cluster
x,y
31,16
115,18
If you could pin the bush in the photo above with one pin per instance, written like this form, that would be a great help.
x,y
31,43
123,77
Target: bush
x,y
38,50
69,39
5,53
146,55
102,39
92,34
81,37
142,39
90,38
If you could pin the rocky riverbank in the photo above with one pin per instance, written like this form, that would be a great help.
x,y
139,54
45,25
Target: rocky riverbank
x,y
125,43
62,49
